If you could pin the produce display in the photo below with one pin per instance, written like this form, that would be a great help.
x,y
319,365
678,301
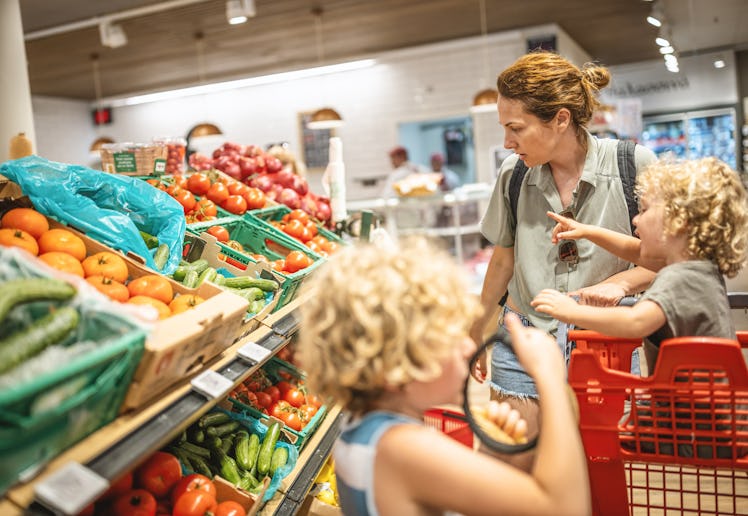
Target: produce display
x,y
298,225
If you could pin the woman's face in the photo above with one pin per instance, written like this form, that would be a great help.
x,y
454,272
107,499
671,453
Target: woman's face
x,y
525,133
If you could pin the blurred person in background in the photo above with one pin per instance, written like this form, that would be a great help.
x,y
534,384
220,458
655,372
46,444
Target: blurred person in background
x,y
450,178
402,168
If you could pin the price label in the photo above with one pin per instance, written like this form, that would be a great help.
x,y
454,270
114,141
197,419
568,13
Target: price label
x,y
211,384
70,489
253,353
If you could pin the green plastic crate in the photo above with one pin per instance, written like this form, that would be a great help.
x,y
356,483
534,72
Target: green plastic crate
x,y
275,213
42,416
275,369
255,239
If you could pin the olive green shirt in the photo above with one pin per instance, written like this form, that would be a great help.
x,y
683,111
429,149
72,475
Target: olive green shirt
x,y
598,199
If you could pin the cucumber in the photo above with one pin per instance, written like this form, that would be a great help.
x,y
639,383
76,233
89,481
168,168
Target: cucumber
x,y
227,467
190,279
213,419
195,449
198,266
227,442
218,280
208,274
242,449
265,455
201,466
248,479
256,306
24,290
151,242
223,429
279,459
161,256
33,339
247,282
250,294
213,442
195,435
183,457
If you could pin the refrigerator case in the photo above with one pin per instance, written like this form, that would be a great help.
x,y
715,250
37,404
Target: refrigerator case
x,y
693,134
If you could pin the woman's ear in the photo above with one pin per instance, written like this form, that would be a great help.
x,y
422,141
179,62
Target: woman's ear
x,y
563,119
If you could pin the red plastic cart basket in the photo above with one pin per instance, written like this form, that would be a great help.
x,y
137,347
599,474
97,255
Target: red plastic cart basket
x,y
451,423
613,352
673,443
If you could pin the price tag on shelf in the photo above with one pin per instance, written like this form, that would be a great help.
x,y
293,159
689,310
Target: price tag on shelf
x,y
211,384
70,489
253,353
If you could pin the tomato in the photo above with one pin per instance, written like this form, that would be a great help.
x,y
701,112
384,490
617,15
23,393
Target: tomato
x,y
237,188
118,487
320,240
152,285
264,399
159,474
218,193
235,204
156,183
278,408
173,189
255,199
294,397
198,184
136,502
284,387
273,392
162,309
278,265
180,181
19,238
195,503
313,400
330,246
62,240
106,264
184,302
230,508
193,482
27,219
62,262
187,200
294,228
312,227
110,288
220,232
296,260
299,215
291,419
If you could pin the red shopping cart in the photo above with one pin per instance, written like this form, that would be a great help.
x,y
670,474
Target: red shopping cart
x,y
451,422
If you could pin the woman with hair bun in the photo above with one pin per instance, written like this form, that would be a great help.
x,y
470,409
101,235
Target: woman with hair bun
x,y
545,103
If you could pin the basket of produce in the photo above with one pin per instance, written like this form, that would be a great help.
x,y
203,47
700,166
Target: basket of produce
x,y
277,393
134,159
242,242
67,356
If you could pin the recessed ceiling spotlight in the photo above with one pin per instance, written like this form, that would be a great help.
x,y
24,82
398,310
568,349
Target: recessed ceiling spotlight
x,y
238,11
112,36
662,42
719,63
657,16
666,50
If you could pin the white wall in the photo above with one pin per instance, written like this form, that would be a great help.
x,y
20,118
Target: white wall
x,y
420,83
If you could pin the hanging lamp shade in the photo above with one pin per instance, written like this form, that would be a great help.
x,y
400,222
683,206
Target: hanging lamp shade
x,y
325,118
98,143
205,129
485,100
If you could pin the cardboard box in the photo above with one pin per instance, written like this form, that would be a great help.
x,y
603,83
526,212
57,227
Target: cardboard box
x,y
314,507
9,189
226,491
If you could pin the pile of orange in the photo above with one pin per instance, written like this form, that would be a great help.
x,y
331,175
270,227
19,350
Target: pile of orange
x,y
106,271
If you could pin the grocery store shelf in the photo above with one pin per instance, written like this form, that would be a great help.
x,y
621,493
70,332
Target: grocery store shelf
x,y
447,231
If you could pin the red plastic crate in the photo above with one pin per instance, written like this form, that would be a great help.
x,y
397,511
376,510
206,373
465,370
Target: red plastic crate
x,y
613,352
451,423
683,448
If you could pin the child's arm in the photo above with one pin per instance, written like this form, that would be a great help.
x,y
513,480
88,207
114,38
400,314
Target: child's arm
x,y
624,246
639,320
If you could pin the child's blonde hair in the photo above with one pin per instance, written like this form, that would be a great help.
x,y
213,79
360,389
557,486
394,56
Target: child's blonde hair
x,y
706,199
378,319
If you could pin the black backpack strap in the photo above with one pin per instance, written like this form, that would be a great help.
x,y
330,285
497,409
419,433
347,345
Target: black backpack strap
x,y
625,152
515,184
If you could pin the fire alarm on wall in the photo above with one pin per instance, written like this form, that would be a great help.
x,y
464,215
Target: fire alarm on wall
x,y
102,116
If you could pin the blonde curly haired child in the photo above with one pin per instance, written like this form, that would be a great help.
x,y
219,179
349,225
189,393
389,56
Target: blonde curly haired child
x,y
385,334
692,228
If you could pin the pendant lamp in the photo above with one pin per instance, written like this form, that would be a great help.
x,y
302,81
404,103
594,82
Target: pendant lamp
x,y
485,100
326,117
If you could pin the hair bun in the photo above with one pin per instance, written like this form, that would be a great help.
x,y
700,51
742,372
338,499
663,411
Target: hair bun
x,y
598,75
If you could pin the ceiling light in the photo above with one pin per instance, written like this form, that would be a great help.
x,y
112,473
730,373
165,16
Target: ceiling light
x,y
657,16
204,129
654,21
112,36
662,42
325,118
719,63
670,58
666,50
237,11
485,101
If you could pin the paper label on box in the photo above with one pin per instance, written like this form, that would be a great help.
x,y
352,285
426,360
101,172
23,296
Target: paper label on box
x,y
212,384
159,166
253,353
71,488
124,162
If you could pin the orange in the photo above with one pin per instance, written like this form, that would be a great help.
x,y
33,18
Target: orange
x,y
31,221
63,262
62,240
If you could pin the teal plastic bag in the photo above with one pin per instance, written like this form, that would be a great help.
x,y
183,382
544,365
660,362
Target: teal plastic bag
x,y
110,208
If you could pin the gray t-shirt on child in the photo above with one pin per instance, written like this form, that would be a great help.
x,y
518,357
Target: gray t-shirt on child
x,y
694,298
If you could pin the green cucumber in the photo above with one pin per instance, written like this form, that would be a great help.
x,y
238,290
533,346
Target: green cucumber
x,y
227,442
223,429
218,280
208,274
242,450
190,279
201,466
197,266
24,290
279,459
250,294
195,435
265,455
256,306
161,256
33,339
195,449
226,465
247,282
151,242
213,419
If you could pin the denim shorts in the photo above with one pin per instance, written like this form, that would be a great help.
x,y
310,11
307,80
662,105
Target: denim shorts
x,y
508,377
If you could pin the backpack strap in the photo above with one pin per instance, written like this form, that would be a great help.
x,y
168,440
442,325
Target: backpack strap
x,y
515,184
625,152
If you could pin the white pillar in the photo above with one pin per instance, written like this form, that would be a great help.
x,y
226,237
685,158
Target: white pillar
x,y
16,115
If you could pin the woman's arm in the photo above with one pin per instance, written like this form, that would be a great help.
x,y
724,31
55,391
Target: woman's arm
x,y
636,321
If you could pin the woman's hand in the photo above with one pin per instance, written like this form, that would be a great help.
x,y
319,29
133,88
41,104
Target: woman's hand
x,y
566,229
554,303
480,370
602,294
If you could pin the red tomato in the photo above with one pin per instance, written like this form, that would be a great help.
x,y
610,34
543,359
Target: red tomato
x,y
136,502
206,208
296,260
274,392
299,215
294,397
308,410
291,419
237,188
195,503
220,232
284,387
264,399
235,204
198,184
218,193
295,228
278,408
159,474
230,508
186,199
255,199
118,487
194,482
313,400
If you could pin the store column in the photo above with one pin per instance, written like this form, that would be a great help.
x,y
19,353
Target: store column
x,y
16,115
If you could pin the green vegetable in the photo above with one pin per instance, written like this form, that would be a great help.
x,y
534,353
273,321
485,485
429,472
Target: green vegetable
x,y
247,282
161,256
183,456
151,242
256,306
24,290
227,442
195,435
223,429
246,449
213,442
227,466
218,280
213,418
201,466
264,457
250,294
190,279
196,450
208,274
197,266
279,459
33,339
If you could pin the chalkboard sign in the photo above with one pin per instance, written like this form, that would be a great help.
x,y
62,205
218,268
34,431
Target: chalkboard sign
x,y
314,143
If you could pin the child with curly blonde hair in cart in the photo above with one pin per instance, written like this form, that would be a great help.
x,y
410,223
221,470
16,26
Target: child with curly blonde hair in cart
x,y
385,335
692,228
